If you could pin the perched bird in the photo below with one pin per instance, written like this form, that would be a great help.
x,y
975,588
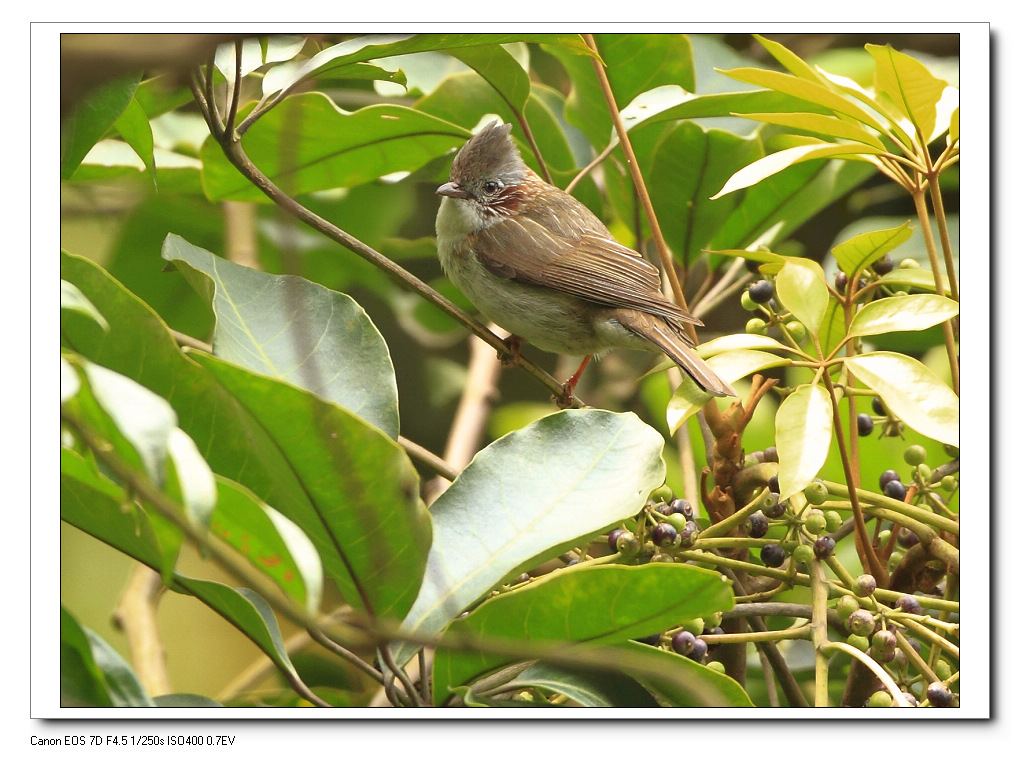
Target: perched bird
x,y
536,261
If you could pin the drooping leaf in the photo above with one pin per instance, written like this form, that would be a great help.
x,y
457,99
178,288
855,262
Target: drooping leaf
x,y
529,496
71,298
911,391
81,681
133,126
500,70
601,604
914,312
93,115
295,330
586,687
803,433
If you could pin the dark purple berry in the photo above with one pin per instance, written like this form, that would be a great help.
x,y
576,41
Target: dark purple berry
x,y
771,454
877,406
689,533
761,291
894,489
772,507
774,483
883,645
865,585
613,537
865,425
699,650
652,640
664,534
683,642
939,696
681,506
772,555
756,525
824,547
714,631
883,265
840,282
908,604
888,476
907,538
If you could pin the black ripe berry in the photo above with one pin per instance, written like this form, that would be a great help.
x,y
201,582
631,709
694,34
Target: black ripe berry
x,y
756,525
824,547
865,425
664,534
910,605
613,537
883,265
840,282
877,406
699,650
894,489
772,555
683,642
652,640
939,695
774,483
761,291
888,476
771,454
680,506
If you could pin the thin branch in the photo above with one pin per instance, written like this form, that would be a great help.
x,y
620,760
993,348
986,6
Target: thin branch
x,y
136,617
428,458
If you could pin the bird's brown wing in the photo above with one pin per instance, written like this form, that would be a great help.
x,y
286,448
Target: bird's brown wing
x,y
584,263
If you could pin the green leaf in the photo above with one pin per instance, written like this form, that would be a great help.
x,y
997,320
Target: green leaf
x,y
500,70
270,541
808,90
682,105
731,365
790,60
803,433
601,604
123,685
189,480
914,312
913,278
800,287
780,160
854,255
71,298
678,681
821,124
69,381
911,391
295,330
913,90
688,165
92,117
364,513
529,496
81,681
731,342
327,148
586,687
133,126
832,330
184,700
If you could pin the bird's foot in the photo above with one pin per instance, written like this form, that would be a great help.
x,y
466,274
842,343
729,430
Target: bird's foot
x,y
566,398
512,356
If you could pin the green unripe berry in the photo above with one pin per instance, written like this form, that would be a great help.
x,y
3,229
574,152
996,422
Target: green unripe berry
x,y
909,263
662,557
864,585
695,626
861,623
894,559
756,326
717,666
816,493
858,642
833,521
949,483
922,474
803,555
880,699
628,544
883,537
915,454
815,522
747,303
943,670
714,620
797,331
847,604
661,494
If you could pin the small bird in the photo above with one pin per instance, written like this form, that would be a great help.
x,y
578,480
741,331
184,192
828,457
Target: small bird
x,y
537,262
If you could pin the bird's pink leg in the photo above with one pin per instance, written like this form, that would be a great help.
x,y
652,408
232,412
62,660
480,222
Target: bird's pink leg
x,y
568,386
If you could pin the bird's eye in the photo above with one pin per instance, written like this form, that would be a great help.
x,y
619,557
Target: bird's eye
x,y
491,186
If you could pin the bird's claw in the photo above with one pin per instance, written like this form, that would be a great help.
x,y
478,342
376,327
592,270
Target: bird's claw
x,y
512,356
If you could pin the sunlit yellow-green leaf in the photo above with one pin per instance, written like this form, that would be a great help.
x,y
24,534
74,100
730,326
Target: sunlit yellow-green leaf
x,y
913,90
800,287
803,432
914,312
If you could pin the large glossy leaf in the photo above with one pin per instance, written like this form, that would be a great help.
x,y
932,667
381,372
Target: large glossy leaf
x,y
81,681
803,433
529,496
678,681
71,298
688,166
92,117
500,70
91,503
307,144
862,250
821,124
914,312
800,287
911,391
295,330
586,687
360,486
133,126
602,604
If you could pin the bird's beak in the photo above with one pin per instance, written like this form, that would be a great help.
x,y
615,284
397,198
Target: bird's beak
x,y
453,190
